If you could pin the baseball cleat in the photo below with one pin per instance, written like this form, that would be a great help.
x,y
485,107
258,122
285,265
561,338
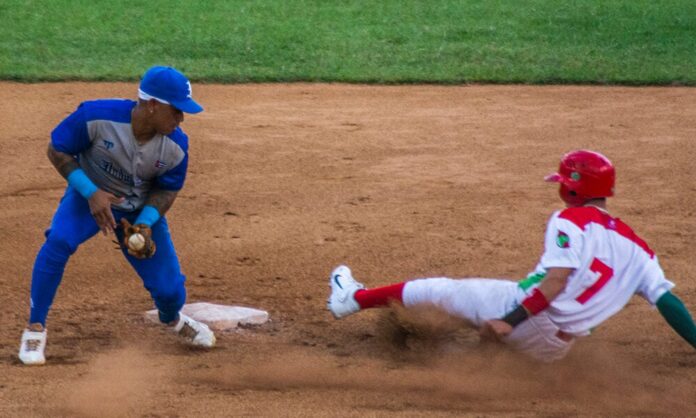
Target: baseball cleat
x,y
342,302
193,332
31,352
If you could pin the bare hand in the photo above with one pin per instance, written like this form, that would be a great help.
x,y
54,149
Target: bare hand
x,y
495,330
100,207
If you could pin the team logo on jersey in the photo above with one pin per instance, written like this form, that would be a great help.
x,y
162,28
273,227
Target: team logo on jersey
x,y
108,144
563,240
160,164
116,171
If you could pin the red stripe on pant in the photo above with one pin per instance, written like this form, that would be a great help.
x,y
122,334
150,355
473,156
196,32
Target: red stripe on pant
x,y
380,296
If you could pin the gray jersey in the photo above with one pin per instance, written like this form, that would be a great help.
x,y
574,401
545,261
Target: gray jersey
x,y
101,134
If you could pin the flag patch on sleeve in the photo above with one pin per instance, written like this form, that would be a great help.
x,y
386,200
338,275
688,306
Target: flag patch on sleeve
x,y
563,240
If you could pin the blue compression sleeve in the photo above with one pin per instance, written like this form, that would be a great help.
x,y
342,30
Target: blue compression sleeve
x,y
80,182
148,216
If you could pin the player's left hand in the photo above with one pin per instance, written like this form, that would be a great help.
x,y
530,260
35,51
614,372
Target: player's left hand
x,y
148,247
495,330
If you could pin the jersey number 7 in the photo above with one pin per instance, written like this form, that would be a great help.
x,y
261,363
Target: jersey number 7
x,y
605,273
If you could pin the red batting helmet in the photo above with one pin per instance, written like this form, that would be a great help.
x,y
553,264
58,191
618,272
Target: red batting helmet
x,y
584,175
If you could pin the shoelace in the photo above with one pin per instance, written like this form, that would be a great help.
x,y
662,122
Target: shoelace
x,y
33,345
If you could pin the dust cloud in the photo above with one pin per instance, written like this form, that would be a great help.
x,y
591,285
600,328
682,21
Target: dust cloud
x,y
117,384
429,359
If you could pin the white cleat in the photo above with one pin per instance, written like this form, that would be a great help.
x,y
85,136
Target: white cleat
x,y
31,352
193,332
342,302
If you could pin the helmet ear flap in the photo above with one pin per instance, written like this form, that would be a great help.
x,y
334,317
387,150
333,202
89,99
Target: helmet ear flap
x,y
571,197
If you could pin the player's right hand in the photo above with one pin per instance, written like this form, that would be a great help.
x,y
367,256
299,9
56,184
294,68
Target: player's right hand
x,y
100,207
495,330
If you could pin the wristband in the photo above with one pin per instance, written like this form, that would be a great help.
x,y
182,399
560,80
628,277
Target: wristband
x,y
79,181
516,316
148,216
536,302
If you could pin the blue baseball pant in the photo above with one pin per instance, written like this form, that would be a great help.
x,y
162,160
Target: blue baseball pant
x,y
72,225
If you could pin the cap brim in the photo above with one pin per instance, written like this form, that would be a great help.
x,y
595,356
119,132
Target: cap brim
x,y
188,106
554,178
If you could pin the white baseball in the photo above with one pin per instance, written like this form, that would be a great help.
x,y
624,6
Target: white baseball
x,y
136,242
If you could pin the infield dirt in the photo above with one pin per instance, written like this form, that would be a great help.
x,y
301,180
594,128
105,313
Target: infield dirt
x,y
287,181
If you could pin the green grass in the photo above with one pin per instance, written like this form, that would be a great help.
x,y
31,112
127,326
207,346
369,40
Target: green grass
x,y
381,41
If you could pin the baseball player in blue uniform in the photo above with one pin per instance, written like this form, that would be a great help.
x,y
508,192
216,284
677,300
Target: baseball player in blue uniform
x,y
124,161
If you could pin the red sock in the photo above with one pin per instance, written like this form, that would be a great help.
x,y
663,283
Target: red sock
x,y
381,296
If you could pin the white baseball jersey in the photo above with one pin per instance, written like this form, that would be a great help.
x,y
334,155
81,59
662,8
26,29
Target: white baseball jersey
x,y
611,265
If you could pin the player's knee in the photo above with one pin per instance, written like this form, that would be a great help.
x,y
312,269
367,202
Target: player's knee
x,y
61,245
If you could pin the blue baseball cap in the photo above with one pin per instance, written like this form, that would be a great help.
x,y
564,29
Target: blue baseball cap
x,y
169,86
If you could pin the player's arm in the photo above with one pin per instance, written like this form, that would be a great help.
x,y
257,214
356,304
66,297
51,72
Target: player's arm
x,y
99,200
552,286
677,316
157,204
64,163
554,283
162,200
165,189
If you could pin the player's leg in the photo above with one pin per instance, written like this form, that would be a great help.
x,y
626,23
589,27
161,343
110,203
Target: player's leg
x,y
162,277
347,294
161,274
479,300
72,225
475,300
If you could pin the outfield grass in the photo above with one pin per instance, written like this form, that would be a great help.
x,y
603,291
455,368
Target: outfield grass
x,y
382,41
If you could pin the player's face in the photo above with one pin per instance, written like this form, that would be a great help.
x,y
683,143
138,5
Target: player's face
x,y
166,118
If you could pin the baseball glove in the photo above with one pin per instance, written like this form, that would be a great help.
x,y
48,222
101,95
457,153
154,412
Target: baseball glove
x,y
148,247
